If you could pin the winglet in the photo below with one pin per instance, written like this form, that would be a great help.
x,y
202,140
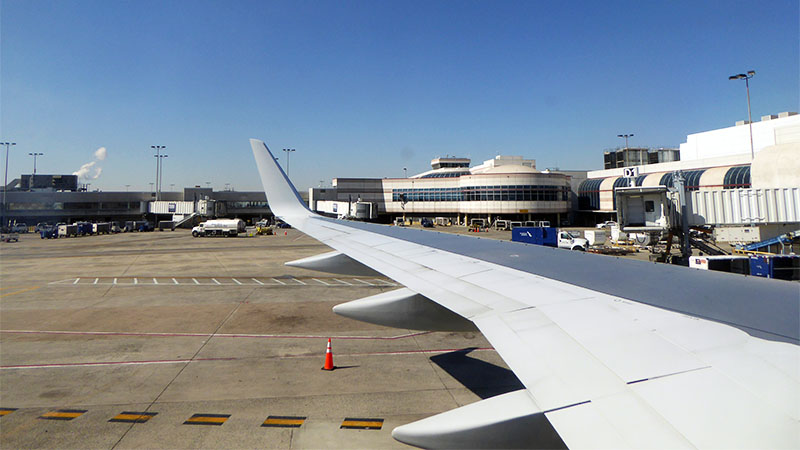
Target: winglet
x,y
284,201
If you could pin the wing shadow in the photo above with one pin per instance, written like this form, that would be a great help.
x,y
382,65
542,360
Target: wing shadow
x,y
483,379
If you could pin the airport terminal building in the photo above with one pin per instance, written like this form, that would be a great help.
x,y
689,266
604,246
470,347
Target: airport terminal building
x,y
506,187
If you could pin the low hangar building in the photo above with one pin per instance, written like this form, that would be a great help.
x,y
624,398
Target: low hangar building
x,y
506,187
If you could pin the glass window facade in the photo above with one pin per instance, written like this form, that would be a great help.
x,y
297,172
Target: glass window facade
x,y
445,175
737,178
505,193
589,195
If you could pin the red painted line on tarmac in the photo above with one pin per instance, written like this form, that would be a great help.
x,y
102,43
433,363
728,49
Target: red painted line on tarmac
x,y
113,363
207,335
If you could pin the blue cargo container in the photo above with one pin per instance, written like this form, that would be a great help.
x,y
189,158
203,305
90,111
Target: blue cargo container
x,y
536,235
782,267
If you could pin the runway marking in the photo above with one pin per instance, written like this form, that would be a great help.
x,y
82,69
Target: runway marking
x,y
207,419
20,291
185,361
207,335
284,421
6,411
133,417
362,424
222,281
63,414
110,363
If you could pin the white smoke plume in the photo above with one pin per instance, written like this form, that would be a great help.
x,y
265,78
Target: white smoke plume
x,y
90,170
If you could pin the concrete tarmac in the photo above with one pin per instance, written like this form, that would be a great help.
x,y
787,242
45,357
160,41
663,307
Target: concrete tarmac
x,y
162,327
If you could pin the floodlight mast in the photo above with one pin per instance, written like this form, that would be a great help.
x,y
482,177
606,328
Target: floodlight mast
x,y
746,77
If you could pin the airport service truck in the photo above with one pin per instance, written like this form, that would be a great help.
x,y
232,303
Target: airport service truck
x,y
219,227
549,236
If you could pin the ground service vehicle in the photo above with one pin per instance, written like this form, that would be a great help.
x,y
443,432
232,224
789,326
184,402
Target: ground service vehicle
x,y
219,227
548,236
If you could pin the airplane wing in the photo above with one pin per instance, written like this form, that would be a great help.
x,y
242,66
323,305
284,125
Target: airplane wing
x,y
612,353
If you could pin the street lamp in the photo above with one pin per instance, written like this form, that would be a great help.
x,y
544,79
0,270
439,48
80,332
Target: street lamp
x,y
405,172
626,136
159,184
288,150
746,77
5,182
126,187
34,154
158,149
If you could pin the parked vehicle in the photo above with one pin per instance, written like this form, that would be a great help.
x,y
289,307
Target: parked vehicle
x,y
219,227
548,236
48,232
65,230
607,224
10,237
426,222
101,228
19,228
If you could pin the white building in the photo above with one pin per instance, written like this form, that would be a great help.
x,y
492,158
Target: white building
x,y
507,187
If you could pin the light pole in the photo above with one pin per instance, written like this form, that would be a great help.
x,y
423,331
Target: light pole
x,y
158,149
405,172
288,150
34,154
626,136
152,189
746,77
126,187
5,181
159,184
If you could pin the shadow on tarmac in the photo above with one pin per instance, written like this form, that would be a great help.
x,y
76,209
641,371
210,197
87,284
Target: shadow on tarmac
x,y
483,379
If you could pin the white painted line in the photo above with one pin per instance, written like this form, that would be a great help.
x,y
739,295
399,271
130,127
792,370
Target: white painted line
x,y
343,282
385,283
195,281
365,282
236,281
295,279
278,281
215,281
257,281
135,281
76,281
320,281
175,281
115,281
155,281
96,280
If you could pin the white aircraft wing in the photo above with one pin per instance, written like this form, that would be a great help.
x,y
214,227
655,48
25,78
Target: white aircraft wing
x,y
612,353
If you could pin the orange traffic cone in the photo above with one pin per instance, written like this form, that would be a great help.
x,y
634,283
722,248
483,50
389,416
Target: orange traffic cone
x,y
328,358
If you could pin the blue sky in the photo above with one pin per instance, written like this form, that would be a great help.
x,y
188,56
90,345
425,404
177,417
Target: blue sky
x,y
367,88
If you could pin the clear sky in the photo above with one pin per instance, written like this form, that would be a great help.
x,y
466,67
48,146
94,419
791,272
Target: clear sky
x,y
363,89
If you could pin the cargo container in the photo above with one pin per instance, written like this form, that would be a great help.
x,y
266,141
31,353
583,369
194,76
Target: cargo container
x,y
781,267
101,228
67,230
722,263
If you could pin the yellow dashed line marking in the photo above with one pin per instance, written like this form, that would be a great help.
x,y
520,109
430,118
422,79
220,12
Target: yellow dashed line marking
x,y
6,411
362,424
283,421
63,414
133,417
20,291
207,419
